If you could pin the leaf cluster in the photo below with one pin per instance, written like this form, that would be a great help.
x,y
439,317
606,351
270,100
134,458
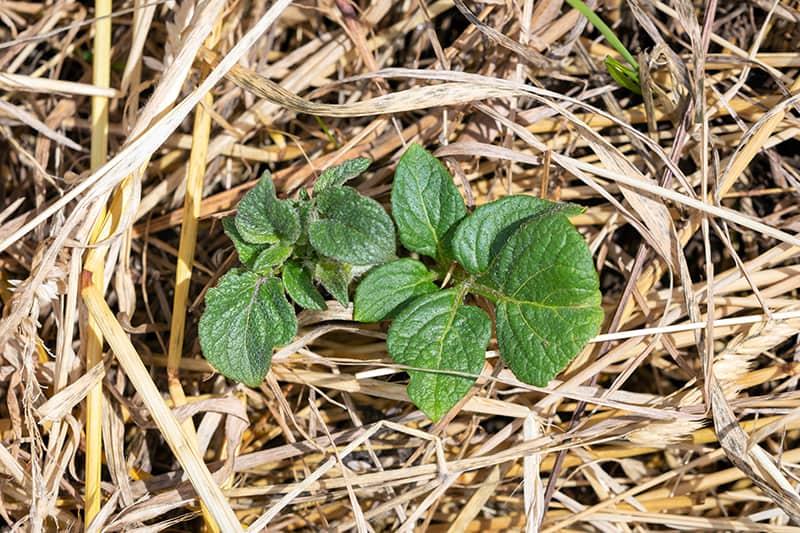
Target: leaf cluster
x,y
289,247
519,258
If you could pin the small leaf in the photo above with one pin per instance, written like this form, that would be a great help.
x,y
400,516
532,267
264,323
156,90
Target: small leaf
x,y
252,218
548,303
280,213
285,220
386,288
425,202
352,228
625,76
247,252
303,209
335,277
341,174
262,218
480,236
298,284
271,257
246,317
437,332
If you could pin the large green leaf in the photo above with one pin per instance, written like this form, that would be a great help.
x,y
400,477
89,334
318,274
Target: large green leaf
x,y
425,202
352,228
247,252
548,303
340,174
297,281
437,332
480,236
386,288
262,218
246,316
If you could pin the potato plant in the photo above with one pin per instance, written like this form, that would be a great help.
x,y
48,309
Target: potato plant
x,y
520,255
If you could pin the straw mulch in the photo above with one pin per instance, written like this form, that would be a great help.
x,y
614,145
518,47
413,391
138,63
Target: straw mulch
x,y
128,129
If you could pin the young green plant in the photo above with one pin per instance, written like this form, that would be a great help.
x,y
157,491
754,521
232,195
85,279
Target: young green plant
x,y
625,76
518,256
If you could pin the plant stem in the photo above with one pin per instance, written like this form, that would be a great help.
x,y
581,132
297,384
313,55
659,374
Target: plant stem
x,y
469,283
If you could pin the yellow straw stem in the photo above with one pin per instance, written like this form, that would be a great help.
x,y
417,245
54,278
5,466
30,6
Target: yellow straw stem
x,y
101,74
188,238
183,270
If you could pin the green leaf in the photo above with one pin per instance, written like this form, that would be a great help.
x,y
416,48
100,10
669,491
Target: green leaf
x,y
425,202
281,214
246,317
298,284
480,236
386,288
271,257
548,303
252,217
623,75
247,252
262,218
303,209
437,332
340,174
352,228
285,220
595,20
335,277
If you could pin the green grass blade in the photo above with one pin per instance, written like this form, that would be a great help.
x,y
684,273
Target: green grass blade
x,y
598,23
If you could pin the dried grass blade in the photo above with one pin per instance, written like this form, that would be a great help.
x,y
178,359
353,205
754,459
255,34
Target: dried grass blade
x,y
533,490
60,404
445,94
478,499
11,466
30,120
756,139
21,82
753,461
528,54
142,17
